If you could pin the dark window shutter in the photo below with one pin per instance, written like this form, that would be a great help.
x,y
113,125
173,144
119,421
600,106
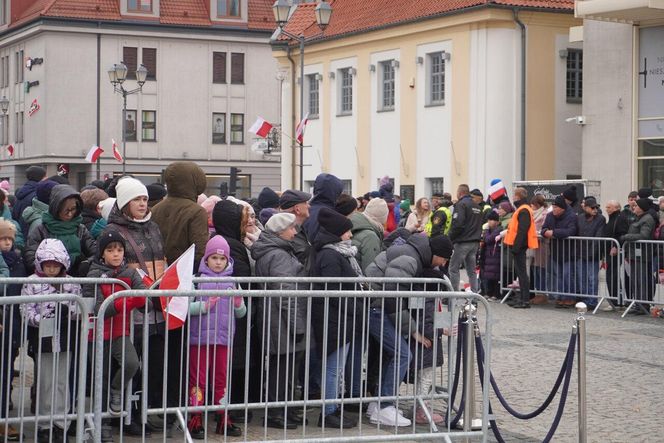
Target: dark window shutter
x,y
130,57
150,62
237,68
219,67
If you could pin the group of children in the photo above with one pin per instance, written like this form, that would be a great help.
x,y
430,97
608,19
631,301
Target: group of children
x,y
52,328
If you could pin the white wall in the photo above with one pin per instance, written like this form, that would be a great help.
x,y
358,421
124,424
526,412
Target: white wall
x,y
433,125
494,110
313,135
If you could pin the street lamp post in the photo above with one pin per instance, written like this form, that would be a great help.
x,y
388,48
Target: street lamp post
x,y
117,75
323,12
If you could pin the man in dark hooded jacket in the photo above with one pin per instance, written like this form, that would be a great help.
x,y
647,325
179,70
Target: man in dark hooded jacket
x,y
25,194
181,220
327,188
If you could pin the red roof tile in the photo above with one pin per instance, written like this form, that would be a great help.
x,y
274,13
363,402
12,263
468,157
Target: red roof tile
x,y
171,12
352,16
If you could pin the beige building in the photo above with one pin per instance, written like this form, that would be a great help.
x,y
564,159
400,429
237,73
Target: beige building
x,y
623,104
211,75
434,96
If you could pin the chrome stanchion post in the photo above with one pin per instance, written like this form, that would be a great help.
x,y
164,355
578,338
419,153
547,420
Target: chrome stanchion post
x,y
581,310
469,422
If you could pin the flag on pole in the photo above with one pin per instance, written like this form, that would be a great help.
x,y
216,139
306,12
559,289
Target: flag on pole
x,y
178,277
497,189
299,131
261,127
116,151
145,277
10,150
93,154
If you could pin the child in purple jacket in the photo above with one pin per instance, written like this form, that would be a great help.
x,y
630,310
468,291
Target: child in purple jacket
x,y
211,329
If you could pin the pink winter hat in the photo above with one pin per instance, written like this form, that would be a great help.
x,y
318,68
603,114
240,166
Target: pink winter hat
x,y
208,203
217,245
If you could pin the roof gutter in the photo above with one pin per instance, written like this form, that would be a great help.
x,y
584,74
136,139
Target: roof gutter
x,y
523,93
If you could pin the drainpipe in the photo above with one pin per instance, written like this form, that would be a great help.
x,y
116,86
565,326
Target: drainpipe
x,y
98,99
293,81
523,92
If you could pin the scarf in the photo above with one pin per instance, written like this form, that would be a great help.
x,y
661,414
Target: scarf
x,y
145,219
66,232
349,251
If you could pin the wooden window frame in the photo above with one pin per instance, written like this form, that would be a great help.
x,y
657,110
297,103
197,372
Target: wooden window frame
x,y
223,58
231,131
153,124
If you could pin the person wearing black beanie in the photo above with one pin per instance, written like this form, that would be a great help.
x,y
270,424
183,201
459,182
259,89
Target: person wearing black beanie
x,y
334,222
267,198
346,204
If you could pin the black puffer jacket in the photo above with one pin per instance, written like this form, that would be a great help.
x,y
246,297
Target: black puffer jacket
x,y
342,314
466,221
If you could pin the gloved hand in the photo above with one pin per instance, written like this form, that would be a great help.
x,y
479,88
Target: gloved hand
x,y
237,301
211,303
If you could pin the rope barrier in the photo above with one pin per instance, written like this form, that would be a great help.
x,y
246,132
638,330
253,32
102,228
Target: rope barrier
x,y
567,365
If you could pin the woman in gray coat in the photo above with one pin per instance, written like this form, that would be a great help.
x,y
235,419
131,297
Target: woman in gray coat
x,y
282,319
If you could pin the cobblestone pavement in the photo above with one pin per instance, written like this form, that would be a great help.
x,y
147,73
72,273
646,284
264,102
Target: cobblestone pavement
x,y
625,363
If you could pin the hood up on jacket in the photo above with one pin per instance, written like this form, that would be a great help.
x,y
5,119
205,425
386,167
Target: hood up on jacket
x,y
51,249
417,242
25,190
267,242
227,219
185,180
58,195
327,188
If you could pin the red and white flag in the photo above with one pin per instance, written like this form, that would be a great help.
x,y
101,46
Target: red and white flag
x,y
116,151
178,277
93,154
299,131
497,190
10,150
145,277
261,127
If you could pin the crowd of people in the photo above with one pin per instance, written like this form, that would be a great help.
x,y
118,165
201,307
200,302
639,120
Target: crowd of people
x,y
128,231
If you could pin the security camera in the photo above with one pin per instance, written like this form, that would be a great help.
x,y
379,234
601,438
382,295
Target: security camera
x,y
579,120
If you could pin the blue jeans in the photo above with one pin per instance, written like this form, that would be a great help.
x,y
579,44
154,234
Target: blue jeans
x,y
587,276
390,344
563,279
334,372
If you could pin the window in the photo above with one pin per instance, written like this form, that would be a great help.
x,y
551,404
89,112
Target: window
x,y
19,66
386,86
19,127
407,192
228,8
130,59
219,67
4,130
312,83
237,68
348,186
436,79
237,128
139,5
150,62
218,128
130,126
436,184
149,126
345,92
651,165
3,12
4,72
574,75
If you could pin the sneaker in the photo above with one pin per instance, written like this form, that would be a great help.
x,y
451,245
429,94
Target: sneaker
x,y
115,405
514,284
421,417
9,433
373,407
389,416
336,421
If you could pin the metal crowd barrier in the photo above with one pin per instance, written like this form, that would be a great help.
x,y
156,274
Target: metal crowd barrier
x,y
265,372
44,364
643,274
589,269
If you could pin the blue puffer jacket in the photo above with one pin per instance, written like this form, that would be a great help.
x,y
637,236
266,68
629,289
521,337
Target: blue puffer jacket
x,y
563,226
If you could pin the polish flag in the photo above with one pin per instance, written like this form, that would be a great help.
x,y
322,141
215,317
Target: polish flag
x,y
261,127
116,151
497,190
10,150
299,131
93,154
178,277
147,280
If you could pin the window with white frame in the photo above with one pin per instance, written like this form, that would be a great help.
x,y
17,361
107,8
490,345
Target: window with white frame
x,y
436,78
3,13
19,127
19,66
4,131
574,76
386,86
313,95
345,91
139,5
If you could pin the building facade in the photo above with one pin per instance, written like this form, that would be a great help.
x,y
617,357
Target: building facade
x,y
210,75
432,96
623,138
